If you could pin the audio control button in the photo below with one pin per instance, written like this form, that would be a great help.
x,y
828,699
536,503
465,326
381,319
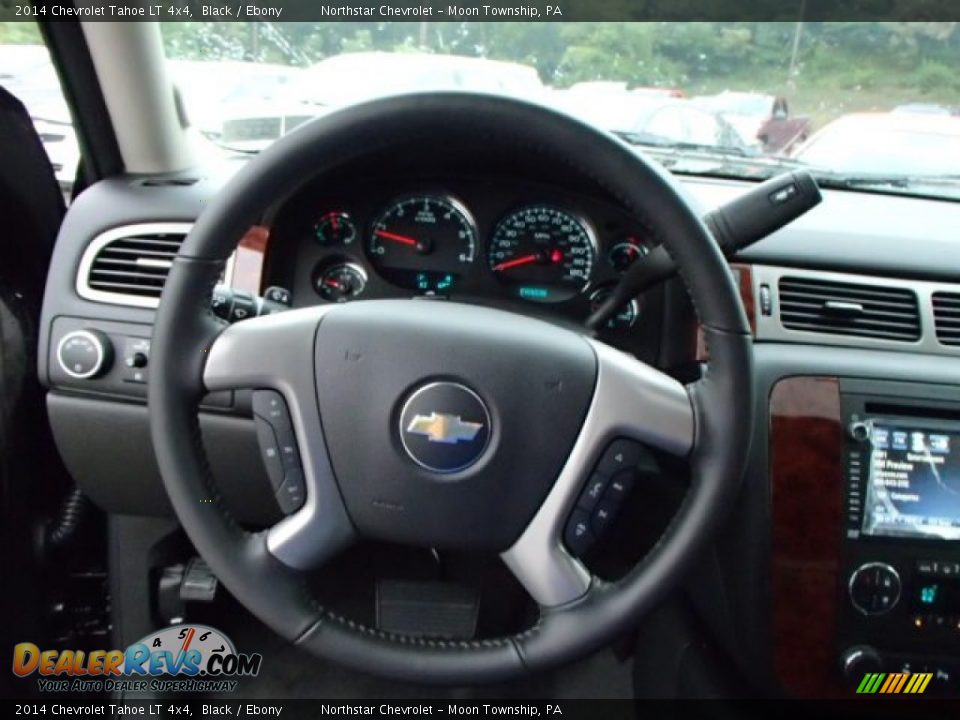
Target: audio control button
x,y
874,588
860,431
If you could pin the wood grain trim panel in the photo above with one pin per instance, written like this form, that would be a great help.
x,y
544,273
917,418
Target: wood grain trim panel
x,y
248,264
806,475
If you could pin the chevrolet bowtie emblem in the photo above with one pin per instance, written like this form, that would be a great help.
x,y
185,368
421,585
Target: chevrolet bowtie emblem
x,y
443,428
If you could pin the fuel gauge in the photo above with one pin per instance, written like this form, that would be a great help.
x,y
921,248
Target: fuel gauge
x,y
341,282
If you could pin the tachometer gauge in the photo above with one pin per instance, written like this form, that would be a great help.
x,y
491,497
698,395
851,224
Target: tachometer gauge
x,y
421,234
335,228
340,282
542,253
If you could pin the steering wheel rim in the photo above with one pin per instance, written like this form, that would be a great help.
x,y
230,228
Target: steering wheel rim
x,y
193,353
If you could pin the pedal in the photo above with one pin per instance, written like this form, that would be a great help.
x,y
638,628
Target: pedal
x,y
199,584
427,609
180,584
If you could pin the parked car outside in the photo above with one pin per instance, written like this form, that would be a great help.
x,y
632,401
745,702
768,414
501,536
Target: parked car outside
x,y
350,78
891,144
762,120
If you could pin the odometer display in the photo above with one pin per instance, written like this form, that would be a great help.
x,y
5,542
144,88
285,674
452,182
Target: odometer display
x,y
542,254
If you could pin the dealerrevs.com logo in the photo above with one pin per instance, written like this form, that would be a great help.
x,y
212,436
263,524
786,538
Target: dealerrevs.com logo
x,y
180,658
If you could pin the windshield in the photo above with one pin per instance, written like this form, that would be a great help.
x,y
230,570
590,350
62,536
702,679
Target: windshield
x,y
874,106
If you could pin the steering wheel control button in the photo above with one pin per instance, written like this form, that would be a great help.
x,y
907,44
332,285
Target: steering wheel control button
x,y
578,537
620,454
602,516
291,493
270,452
874,588
444,427
270,405
620,486
592,493
84,354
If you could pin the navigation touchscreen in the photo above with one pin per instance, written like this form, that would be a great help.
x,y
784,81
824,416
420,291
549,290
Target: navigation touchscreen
x,y
913,486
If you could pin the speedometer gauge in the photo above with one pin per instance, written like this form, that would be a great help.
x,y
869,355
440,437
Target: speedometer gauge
x,y
542,253
423,236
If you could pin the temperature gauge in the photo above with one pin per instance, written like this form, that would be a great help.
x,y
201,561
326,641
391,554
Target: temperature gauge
x,y
626,253
624,319
341,282
335,228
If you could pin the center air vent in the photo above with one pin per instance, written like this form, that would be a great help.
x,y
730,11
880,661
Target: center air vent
x,y
129,265
946,315
870,311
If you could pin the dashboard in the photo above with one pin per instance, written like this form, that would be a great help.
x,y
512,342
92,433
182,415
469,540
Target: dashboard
x,y
531,238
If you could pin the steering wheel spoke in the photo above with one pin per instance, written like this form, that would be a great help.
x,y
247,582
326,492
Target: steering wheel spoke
x,y
275,353
632,401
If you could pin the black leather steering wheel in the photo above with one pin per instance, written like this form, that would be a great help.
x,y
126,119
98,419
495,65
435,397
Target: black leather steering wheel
x,y
553,400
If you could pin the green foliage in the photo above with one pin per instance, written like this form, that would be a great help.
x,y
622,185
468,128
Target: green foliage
x,y
933,76
19,33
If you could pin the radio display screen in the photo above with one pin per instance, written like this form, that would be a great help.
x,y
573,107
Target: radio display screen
x,y
913,485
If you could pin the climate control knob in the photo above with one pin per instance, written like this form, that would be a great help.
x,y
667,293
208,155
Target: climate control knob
x,y
84,354
874,588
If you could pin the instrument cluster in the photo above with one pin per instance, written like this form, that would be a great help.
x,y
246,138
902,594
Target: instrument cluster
x,y
482,240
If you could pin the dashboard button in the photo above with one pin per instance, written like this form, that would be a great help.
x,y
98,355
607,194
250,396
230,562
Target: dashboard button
x,y
620,454
592,492
578,537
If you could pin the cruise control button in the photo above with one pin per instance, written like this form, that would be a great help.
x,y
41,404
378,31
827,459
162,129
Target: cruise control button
x,y
592,492
291,494
578,537
602,516
620,454
269,452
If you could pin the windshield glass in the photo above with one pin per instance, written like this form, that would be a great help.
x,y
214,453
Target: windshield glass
x,y
865,105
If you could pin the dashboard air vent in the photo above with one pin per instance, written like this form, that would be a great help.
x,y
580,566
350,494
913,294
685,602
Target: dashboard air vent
x,y
839,308
129,265
946,315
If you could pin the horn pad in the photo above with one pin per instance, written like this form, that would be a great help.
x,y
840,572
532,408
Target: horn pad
x,y
447,424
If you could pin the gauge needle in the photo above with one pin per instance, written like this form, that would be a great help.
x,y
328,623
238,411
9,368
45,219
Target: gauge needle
x,y
516,262
556,257
396,238
332,283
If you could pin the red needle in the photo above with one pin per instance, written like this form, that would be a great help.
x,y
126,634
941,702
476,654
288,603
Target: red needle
x,y
332,283
525,260
396,238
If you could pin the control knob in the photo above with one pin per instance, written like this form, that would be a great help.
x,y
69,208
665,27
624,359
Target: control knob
x,y
84,354
858,661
